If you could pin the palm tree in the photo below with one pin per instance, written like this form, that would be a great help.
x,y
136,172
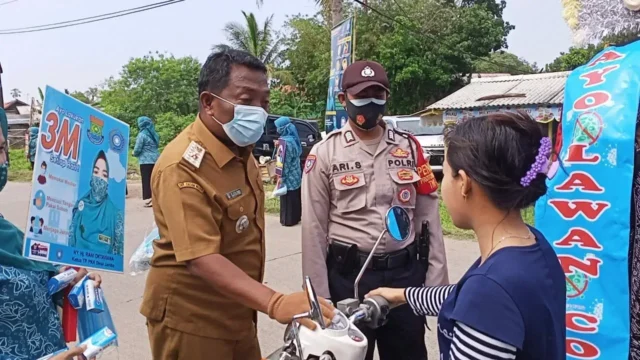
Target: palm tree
x,y
258,41
333,7
16,93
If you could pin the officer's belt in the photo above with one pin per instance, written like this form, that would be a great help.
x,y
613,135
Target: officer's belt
x,y
386,261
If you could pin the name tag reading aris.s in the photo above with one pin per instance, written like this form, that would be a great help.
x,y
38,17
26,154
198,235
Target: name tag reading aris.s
x,y
234,194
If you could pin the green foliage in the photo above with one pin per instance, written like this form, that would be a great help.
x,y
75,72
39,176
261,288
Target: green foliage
x,y
20,169
169,125
293,103
152,85
259,41
427,60
81,96
574,58
578,56
504,62
307,51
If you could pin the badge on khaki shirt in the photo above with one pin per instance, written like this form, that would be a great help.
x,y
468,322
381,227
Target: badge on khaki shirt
x,y
194,154
349,180
404,195
399,153
405,174
310,163
349,137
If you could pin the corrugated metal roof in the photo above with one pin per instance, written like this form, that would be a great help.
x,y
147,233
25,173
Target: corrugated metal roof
x,y
539,89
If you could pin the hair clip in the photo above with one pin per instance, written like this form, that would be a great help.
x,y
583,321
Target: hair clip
x,y
542,163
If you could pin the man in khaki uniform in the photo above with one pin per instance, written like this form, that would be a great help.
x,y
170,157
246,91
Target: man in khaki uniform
x,y
204,286
350,181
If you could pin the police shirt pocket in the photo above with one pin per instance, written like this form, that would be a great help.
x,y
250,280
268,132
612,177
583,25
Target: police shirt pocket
x,y
404,189
351,192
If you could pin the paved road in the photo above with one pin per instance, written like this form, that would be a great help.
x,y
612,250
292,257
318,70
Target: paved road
x,y
283,272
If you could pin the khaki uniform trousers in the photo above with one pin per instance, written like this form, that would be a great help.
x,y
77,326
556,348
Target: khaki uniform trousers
x,y
171,344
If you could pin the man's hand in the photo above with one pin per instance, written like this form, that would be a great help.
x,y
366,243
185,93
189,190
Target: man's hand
x,y
72,354
283,308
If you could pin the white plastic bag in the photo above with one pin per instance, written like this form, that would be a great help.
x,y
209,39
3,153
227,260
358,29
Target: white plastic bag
x,y
141,258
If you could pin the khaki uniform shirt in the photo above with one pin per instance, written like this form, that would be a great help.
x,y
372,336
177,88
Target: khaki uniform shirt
x,y
346,193
206,201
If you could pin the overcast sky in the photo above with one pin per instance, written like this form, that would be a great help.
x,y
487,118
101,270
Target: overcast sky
x,y
79,57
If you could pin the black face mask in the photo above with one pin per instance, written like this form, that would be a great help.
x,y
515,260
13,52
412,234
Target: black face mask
x,y
366,116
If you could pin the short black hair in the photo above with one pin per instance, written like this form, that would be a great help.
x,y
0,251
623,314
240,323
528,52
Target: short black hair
x,y
214,75
41,221
32,218
497,151
44,163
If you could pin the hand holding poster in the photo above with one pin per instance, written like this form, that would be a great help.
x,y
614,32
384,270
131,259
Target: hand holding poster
x,y
586,214
76,216
281,152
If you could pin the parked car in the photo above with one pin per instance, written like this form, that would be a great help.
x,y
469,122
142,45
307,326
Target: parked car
x,y
307,131
430,136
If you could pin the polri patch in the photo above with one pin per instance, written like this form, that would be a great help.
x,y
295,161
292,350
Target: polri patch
x,y
233,194
194,154
190,185
310,163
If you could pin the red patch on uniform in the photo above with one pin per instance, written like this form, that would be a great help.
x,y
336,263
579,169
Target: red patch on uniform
x,y
310,163
405,174
349,180
360,119
404,195
399,153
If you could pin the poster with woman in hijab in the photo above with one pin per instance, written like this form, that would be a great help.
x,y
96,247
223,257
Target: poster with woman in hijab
x,y
78,210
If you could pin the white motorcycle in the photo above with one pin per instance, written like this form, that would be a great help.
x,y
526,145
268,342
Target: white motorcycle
x,y
342,340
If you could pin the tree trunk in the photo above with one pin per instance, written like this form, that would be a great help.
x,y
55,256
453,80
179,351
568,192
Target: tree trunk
x,y
336,11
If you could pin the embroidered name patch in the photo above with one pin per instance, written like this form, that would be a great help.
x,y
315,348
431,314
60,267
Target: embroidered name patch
x,y
190,185
233,194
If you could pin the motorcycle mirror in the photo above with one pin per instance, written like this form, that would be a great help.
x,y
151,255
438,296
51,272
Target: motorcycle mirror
x,y
315,313
398,223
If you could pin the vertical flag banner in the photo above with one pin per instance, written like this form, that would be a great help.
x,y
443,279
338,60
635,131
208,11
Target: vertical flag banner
x,y
586,213
342,42
77,204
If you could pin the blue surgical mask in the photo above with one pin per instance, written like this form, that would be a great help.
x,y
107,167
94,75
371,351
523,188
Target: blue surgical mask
x,y
247,124
98,188
4,175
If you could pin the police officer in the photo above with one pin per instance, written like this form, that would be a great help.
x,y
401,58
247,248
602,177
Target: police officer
x,y
205,283
350,180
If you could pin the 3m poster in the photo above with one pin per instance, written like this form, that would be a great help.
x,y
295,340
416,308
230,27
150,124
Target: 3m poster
x,y
77,204
586,213
342,42
281,152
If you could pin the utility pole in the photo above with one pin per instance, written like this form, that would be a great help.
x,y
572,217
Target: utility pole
x,y
1,96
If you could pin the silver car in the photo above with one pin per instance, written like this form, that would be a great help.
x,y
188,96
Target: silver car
x,y
430,136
